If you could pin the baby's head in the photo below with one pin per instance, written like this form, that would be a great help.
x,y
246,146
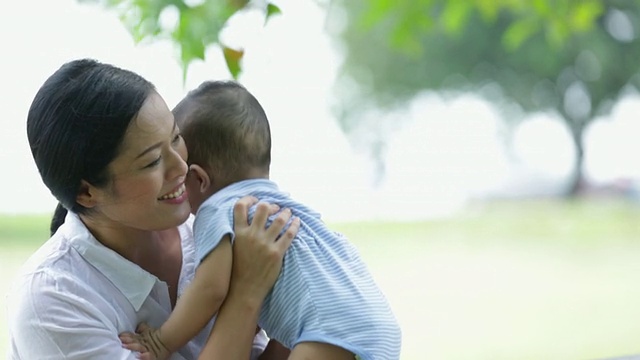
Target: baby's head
x,y
227,135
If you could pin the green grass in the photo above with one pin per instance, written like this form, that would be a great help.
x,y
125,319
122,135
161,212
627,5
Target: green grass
x,y
23,231
507,280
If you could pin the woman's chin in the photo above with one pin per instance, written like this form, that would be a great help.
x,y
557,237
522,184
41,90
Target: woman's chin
x,y
177,217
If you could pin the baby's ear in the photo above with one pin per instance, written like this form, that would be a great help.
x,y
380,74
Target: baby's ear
x,y
200,176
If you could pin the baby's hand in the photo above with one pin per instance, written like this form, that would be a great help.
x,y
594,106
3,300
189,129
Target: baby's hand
x,y
146,341
134,342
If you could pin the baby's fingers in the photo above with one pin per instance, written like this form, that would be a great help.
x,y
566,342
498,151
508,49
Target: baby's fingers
x,y
146,356
142,328
128,338
136,347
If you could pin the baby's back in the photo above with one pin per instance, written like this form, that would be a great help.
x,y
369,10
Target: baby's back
x,y
325,292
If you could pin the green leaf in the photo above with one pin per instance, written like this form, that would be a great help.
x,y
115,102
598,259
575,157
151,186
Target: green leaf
x,y
556,32
235,4
188,53
378,10
233,58
518,32
542,7
488,9
271,10
455,15
585,14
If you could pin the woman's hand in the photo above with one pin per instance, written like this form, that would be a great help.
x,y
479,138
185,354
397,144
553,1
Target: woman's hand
x,y
257,260
258,251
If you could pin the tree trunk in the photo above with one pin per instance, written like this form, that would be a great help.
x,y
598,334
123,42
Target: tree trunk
x,y
576,183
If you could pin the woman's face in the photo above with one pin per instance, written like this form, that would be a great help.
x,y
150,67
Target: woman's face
x,y
147,190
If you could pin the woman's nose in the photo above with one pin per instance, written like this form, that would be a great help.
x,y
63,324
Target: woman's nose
x,y
177,165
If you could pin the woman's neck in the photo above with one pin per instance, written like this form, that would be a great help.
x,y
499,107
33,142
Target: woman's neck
x,y
135,245
157,252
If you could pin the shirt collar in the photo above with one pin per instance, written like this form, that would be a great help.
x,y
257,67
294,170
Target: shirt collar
x,y
130,279
242,188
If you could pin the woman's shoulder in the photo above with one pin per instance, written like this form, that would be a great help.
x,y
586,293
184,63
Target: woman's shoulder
x,y
57,263
48,257
43,278
57,254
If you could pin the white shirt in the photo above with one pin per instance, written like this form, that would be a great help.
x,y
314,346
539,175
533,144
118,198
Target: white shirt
x,y
74,296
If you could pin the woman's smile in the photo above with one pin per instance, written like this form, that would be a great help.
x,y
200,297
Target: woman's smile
x,y
176,196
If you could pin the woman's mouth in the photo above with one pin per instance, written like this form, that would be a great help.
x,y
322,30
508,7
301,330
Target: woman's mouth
x,y
176,193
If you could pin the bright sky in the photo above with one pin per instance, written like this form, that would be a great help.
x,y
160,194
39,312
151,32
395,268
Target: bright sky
x,y
446,152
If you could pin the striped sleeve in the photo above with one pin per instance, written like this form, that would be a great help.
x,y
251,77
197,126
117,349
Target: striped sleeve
x,y
211,225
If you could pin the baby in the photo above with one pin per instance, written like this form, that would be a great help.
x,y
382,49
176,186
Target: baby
x,y
325,303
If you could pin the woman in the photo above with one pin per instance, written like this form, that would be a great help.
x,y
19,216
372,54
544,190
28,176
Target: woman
x,y
108,148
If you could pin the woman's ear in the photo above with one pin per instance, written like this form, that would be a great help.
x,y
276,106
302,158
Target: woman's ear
x,y
201,176
86,195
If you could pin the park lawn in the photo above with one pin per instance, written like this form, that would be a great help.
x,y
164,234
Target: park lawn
x,y
23,231
505,280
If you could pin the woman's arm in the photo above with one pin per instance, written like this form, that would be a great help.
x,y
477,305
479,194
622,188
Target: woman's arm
x,y
257,260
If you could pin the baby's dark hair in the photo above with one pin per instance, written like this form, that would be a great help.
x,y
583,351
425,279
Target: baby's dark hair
x,y
225,128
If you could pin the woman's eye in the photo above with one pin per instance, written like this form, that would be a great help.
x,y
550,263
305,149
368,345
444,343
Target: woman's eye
x,y
177,138
154,162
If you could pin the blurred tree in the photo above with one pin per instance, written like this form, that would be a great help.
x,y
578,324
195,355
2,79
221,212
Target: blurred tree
x,y
192,25
567,56
570,57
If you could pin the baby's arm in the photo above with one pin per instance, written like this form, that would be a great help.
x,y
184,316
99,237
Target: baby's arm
x,y
202,298
200,301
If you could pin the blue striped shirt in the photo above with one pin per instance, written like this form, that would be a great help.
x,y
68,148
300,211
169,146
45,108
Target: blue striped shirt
x,y
324,292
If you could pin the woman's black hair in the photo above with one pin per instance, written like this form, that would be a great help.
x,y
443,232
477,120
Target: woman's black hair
x,y
76,124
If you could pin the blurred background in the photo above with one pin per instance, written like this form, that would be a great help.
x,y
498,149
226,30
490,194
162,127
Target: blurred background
x,y
481,154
